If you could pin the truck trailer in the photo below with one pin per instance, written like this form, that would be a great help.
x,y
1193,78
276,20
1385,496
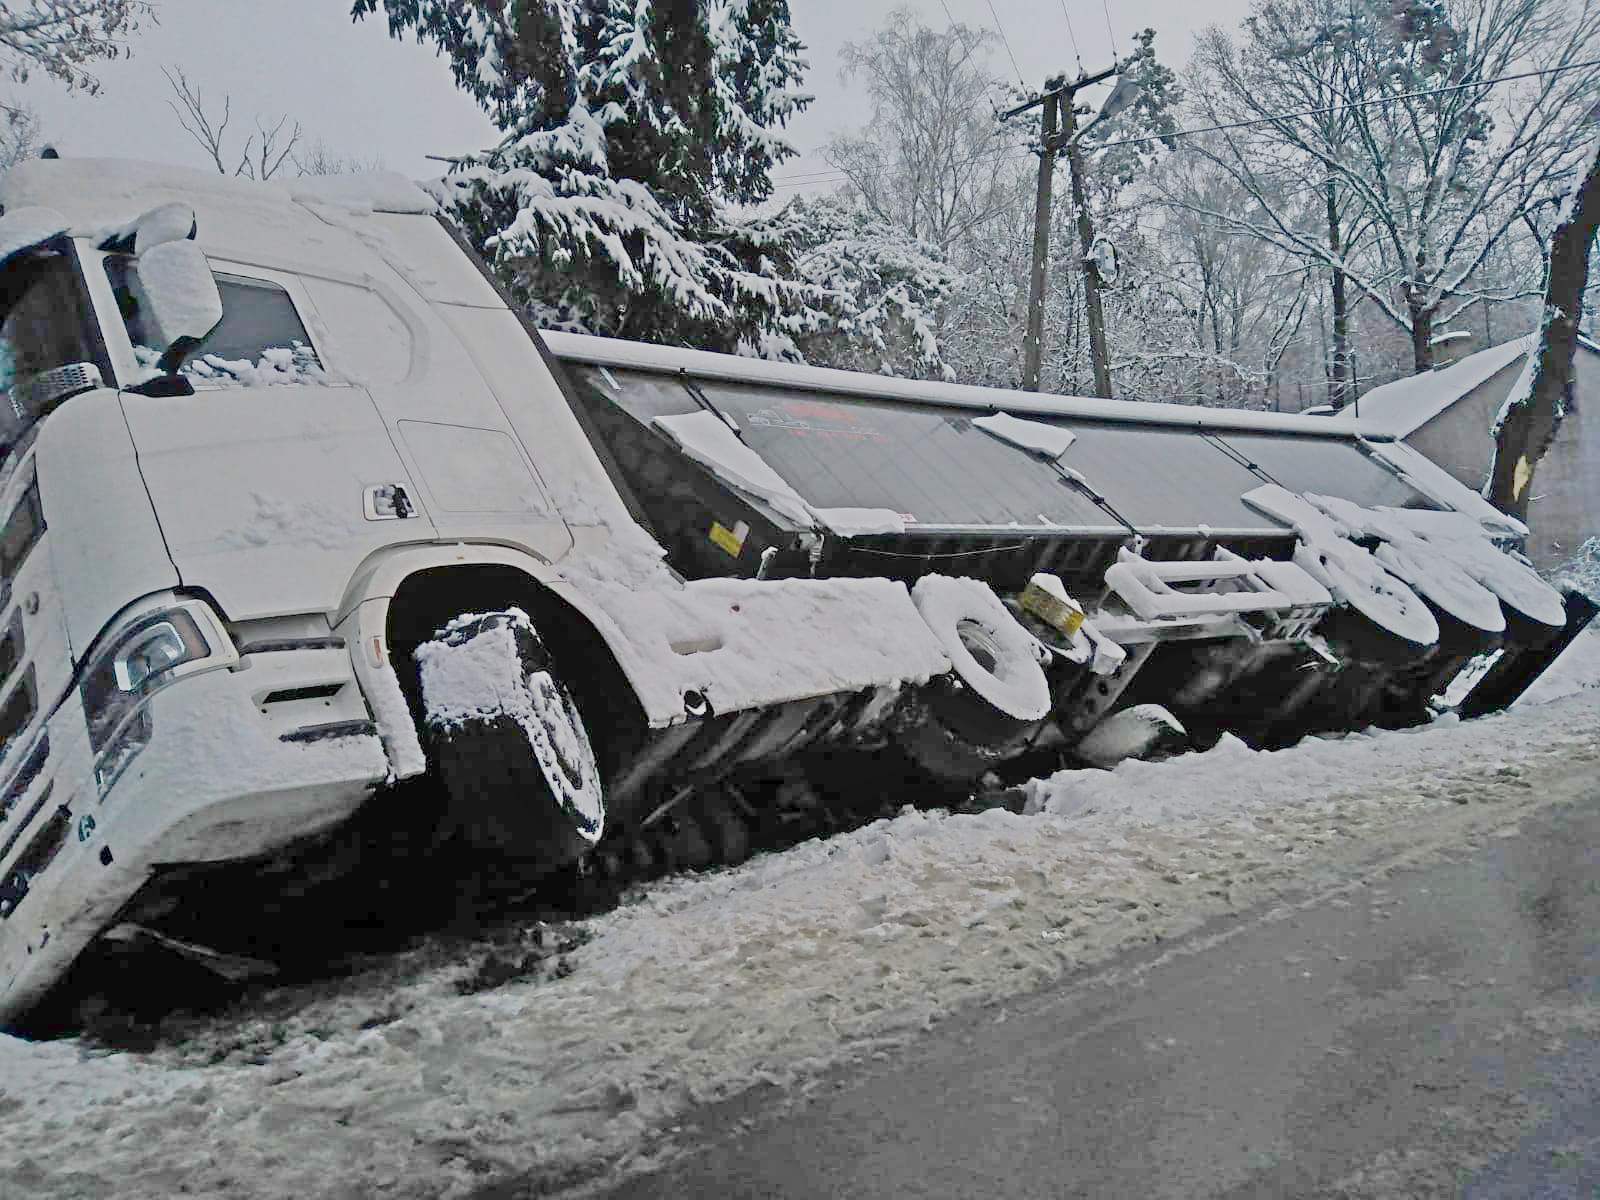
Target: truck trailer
x,y
322,567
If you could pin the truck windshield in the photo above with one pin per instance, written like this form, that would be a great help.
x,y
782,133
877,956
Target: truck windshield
x,y
45,327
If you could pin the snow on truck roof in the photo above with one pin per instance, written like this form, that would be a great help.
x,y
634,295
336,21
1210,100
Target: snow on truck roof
x,y
318,221
93,192
612,352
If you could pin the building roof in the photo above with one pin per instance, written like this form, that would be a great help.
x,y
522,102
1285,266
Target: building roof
x,y
1404,406
1400,408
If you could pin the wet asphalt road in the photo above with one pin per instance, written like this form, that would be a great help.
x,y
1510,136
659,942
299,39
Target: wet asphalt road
x,y
1434,1032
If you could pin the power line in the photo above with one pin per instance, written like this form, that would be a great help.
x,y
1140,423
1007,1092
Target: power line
x,y
807,179
1073,36
1107,10
1004,41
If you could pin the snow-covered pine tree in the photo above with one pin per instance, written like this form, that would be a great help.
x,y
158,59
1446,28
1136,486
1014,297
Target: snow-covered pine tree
x,y
886,288
632,131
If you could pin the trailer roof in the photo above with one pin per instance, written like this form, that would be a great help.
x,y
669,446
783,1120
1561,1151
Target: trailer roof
x,y
702,364
844,439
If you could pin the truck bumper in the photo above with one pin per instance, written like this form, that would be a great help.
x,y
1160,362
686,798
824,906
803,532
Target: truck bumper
x,y
219,779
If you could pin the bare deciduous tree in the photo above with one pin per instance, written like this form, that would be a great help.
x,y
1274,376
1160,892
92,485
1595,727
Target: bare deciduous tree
x,y
264,152
1443,177
321,159
19,134
929,160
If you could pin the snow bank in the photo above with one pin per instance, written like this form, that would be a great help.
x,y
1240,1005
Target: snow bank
x,y
708,984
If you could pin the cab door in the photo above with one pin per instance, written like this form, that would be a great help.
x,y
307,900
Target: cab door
x,y
277,477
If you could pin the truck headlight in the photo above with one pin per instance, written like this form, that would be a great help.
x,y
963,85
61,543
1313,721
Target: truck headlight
x,y
139,662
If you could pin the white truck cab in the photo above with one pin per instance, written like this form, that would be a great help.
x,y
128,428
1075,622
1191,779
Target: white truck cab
x,y
204,533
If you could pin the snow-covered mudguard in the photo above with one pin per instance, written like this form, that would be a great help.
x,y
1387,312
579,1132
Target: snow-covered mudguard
x,y
732,645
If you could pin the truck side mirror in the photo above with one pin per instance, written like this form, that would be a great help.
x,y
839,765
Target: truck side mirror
x,y
179,304
164,223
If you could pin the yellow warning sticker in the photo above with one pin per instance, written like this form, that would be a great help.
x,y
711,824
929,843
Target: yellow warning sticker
x,y
1065,615
729,540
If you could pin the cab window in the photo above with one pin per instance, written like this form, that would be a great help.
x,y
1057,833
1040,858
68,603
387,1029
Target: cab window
x,y
261,339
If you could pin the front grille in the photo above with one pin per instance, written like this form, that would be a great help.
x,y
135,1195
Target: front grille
x,y
23,529
17,711
12,795
11,648
38,855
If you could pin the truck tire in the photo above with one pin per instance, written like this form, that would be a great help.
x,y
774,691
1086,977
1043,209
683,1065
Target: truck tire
x,y
509,744
993,700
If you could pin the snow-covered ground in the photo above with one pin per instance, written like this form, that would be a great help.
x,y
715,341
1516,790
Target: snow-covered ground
x,y
706,985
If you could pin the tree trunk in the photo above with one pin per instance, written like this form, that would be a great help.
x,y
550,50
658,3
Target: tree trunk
x,y
1339,377
1532,413
1421,335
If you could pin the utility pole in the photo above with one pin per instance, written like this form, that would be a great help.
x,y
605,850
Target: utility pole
x,y
1057,100
1092,283
1033,340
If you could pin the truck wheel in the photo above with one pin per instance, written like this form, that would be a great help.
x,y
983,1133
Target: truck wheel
x,y
1145,731
986,709
509,744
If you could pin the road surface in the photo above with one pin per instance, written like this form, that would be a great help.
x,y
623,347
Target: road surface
x,y
1430,1032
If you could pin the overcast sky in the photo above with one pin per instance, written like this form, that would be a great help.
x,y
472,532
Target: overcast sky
x,y
368,96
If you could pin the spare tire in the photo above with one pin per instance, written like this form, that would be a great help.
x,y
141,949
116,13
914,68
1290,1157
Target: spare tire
x,y
996,694
509,744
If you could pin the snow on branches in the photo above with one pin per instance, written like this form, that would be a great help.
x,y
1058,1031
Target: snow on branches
x,y
884,289
631,131
59,37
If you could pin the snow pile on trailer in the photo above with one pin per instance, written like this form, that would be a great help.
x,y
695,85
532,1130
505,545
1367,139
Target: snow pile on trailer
x,y
706,438
834,951
1047,441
